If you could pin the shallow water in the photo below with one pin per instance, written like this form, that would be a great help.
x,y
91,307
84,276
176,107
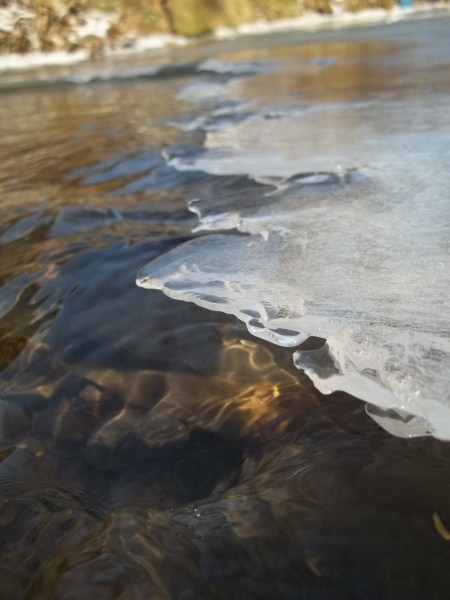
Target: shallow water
x,y
152,448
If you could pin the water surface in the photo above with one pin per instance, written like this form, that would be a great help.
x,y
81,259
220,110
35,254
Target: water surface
x,y
152,448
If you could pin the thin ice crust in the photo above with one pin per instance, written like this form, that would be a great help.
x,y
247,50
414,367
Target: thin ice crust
x,y
359,258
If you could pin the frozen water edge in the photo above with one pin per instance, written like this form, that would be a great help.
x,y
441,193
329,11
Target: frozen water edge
x,y
361,262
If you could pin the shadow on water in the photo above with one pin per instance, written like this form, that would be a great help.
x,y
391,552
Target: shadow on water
x,y
152,449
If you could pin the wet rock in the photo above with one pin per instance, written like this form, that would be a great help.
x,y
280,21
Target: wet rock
x,y
93,44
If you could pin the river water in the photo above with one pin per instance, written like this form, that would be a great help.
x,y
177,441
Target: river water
x,y
151,448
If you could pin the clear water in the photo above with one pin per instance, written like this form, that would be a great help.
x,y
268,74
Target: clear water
x,y
153,448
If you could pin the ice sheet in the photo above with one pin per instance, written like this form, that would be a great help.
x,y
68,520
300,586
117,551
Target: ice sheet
x,y
348,242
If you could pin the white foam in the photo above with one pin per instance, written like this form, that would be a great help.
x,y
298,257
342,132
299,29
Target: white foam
x,y
154,42
33,60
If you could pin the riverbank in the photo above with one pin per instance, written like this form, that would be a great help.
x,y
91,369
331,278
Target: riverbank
x,y
51,32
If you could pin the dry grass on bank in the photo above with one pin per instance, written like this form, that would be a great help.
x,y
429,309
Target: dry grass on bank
x,y
48,25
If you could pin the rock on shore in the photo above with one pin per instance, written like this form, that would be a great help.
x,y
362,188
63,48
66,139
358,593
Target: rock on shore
x,y
69,25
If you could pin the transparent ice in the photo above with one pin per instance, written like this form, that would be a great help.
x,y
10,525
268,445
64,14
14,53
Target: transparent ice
x,y
347,240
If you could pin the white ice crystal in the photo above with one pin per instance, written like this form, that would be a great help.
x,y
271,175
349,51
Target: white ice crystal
x,y
354,249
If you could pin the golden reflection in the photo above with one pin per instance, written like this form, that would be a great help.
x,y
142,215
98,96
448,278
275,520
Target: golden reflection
x,y
341,71
249,397
440,527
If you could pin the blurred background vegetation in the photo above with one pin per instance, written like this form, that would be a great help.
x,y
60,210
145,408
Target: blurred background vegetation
x,y
47,25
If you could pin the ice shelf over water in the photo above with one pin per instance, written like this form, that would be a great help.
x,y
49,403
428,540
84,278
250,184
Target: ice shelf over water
x,y
347,240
